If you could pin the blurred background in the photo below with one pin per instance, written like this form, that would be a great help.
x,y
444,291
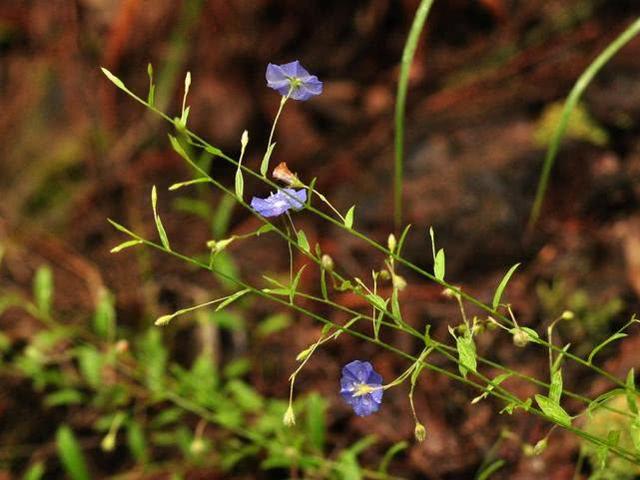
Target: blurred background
x,y
90,389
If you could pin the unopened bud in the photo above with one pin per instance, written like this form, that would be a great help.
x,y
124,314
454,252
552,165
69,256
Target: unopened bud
x,y
198,446
540,447
391,243
420,432
244,139
520,338
327,262
303,354
282,173
108,442
568,315
289,418
384,275
399,282
122,346
163,320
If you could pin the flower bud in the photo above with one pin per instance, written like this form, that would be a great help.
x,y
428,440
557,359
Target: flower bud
x,y
121,346
384,275
568,315
163,320
108,442
327,262
289,418
398,282
304,354
391,243
244,139
420,432
520,337
197,446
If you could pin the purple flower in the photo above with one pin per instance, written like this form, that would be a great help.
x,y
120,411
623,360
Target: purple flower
x,y
279,202
292,77
361,387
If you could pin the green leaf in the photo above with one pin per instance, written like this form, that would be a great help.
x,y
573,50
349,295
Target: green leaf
x,y
115,80
264,166
348,218
272,324
630,392
316,424
303,243
490,469
555,389
294,285
553,410
137,442
433,243
494,383
377,301
71,454
122,229
403,238
502,285
43,289
104,318
67,396
232,298
612,338
389,454
239,184
127,244
222,216
35,472
634,433
90,362
439,265
466,354
161,231
188,183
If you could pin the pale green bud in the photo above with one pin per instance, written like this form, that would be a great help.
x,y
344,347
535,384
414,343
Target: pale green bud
x,y
420,432
520,338
568,315
327,262
289,418
392,243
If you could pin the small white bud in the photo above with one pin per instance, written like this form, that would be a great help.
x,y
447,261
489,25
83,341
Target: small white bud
x,y
399,282
163,320
244,140
327,262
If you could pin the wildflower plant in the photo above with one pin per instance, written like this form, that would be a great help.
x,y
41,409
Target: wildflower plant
x,y
361,386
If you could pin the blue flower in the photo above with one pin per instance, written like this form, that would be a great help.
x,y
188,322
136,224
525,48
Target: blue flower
x,y
361,387
293,77
280,202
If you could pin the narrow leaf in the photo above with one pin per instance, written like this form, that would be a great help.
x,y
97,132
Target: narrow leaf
x,y
232,298
555,389
43,289
303,243
466,354
502,285
294,285
71,454
630,392
264,166
348,218
439,265
161,231
127,244
553,410
612,338
239,184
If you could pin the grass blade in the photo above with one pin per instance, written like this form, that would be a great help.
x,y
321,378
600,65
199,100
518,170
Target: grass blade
x,y
401,100
576,92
